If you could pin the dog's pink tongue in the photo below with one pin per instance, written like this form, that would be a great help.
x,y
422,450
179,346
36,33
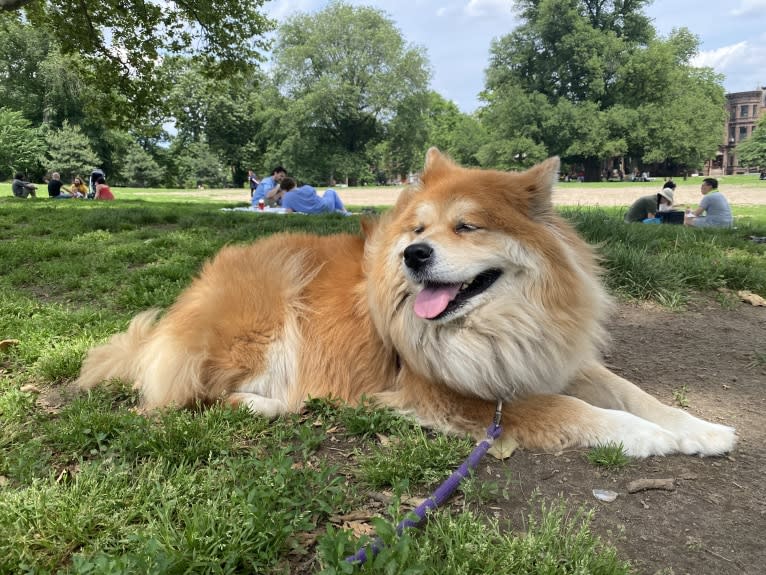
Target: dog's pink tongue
x,y
432,301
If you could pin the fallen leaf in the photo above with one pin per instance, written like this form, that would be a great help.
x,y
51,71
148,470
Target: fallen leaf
x,y
30,388
503,447
384,440
3,481
751,298
353,516
360,528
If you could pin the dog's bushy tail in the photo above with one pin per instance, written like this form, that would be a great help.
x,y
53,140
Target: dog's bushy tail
x,y
119,357
153,359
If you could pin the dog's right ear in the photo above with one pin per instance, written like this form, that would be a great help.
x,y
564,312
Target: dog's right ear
x,y
436,164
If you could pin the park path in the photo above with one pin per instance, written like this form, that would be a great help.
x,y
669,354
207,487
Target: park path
x,y
564,194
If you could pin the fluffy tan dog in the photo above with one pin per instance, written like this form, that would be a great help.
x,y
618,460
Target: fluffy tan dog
x,y
470,290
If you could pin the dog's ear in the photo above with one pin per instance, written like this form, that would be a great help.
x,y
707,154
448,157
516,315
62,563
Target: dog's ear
x,y
436,164
540,180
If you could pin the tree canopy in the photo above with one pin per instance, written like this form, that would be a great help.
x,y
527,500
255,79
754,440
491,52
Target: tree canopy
x,y
120,44
347,74
752,152
590,80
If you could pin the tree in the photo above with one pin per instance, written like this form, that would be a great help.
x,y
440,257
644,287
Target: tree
x,y
347,73
122,43
589,80
459,135
752,152
69,152
139,169
21,145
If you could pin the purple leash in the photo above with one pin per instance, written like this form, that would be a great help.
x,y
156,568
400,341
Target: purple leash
x,y
442,493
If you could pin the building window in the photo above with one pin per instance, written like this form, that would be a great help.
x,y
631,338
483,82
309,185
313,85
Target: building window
x,y
742,133
743,111
755,110
732,134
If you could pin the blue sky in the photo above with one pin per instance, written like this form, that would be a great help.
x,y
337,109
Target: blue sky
x,y
457,34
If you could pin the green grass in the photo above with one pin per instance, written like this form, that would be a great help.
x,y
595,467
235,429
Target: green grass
x,y
610,456
87,485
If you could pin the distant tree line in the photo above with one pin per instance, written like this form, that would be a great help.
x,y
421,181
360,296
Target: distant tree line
x,y
345,98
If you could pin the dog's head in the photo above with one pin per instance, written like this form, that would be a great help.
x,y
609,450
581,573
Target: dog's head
x,y
479,284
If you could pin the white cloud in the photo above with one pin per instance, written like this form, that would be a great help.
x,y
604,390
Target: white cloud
x,y
749,7
720,58
743,64
479,8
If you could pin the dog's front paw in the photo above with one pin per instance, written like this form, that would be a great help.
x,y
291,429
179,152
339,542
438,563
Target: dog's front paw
x,y
704,438
639,438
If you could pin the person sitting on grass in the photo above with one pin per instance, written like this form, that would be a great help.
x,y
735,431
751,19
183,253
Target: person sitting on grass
x,y
103,192
305,199
646,207
268,190
715,207
55,185
21,188
78,188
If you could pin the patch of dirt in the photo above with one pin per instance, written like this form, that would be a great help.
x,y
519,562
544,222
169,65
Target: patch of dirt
x,y
715,519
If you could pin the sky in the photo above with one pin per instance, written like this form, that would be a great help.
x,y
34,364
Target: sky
x,y
456,35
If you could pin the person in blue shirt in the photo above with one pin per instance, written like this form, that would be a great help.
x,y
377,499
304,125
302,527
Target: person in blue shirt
x,y
268,189
305,199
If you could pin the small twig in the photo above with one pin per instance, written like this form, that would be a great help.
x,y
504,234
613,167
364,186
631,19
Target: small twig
x,y
644,484
719,556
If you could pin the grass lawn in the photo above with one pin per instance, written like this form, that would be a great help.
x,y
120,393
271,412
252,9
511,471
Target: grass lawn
x,y
87,485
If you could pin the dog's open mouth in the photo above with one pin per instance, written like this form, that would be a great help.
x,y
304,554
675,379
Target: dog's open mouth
x,y
436,300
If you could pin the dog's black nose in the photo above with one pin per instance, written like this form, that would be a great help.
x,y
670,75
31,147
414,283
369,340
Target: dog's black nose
x,y
417,256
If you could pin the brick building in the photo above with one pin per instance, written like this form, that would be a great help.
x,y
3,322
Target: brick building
x,y
743,109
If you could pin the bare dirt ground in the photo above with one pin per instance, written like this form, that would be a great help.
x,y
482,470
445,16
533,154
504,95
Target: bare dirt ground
x,y
714,521
570,194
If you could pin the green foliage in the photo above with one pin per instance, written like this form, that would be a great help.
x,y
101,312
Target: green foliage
x,y
752,152
21,145
138,168
347,72
607,87
666,263
610,456
453,132
120,45
557,542
415,457
69,152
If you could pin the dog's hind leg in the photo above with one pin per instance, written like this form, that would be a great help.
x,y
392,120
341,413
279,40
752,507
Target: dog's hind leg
x,y
600,387
265,406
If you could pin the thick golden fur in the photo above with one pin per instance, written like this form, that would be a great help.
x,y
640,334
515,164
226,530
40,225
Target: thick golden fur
x,y
295,316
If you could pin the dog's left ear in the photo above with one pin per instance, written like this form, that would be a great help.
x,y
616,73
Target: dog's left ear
x,y
541,179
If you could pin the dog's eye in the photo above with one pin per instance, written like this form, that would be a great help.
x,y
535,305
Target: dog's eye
x,y
464,227
418,229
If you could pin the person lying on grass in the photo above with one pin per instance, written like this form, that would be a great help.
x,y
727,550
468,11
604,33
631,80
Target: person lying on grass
x,y
305,199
